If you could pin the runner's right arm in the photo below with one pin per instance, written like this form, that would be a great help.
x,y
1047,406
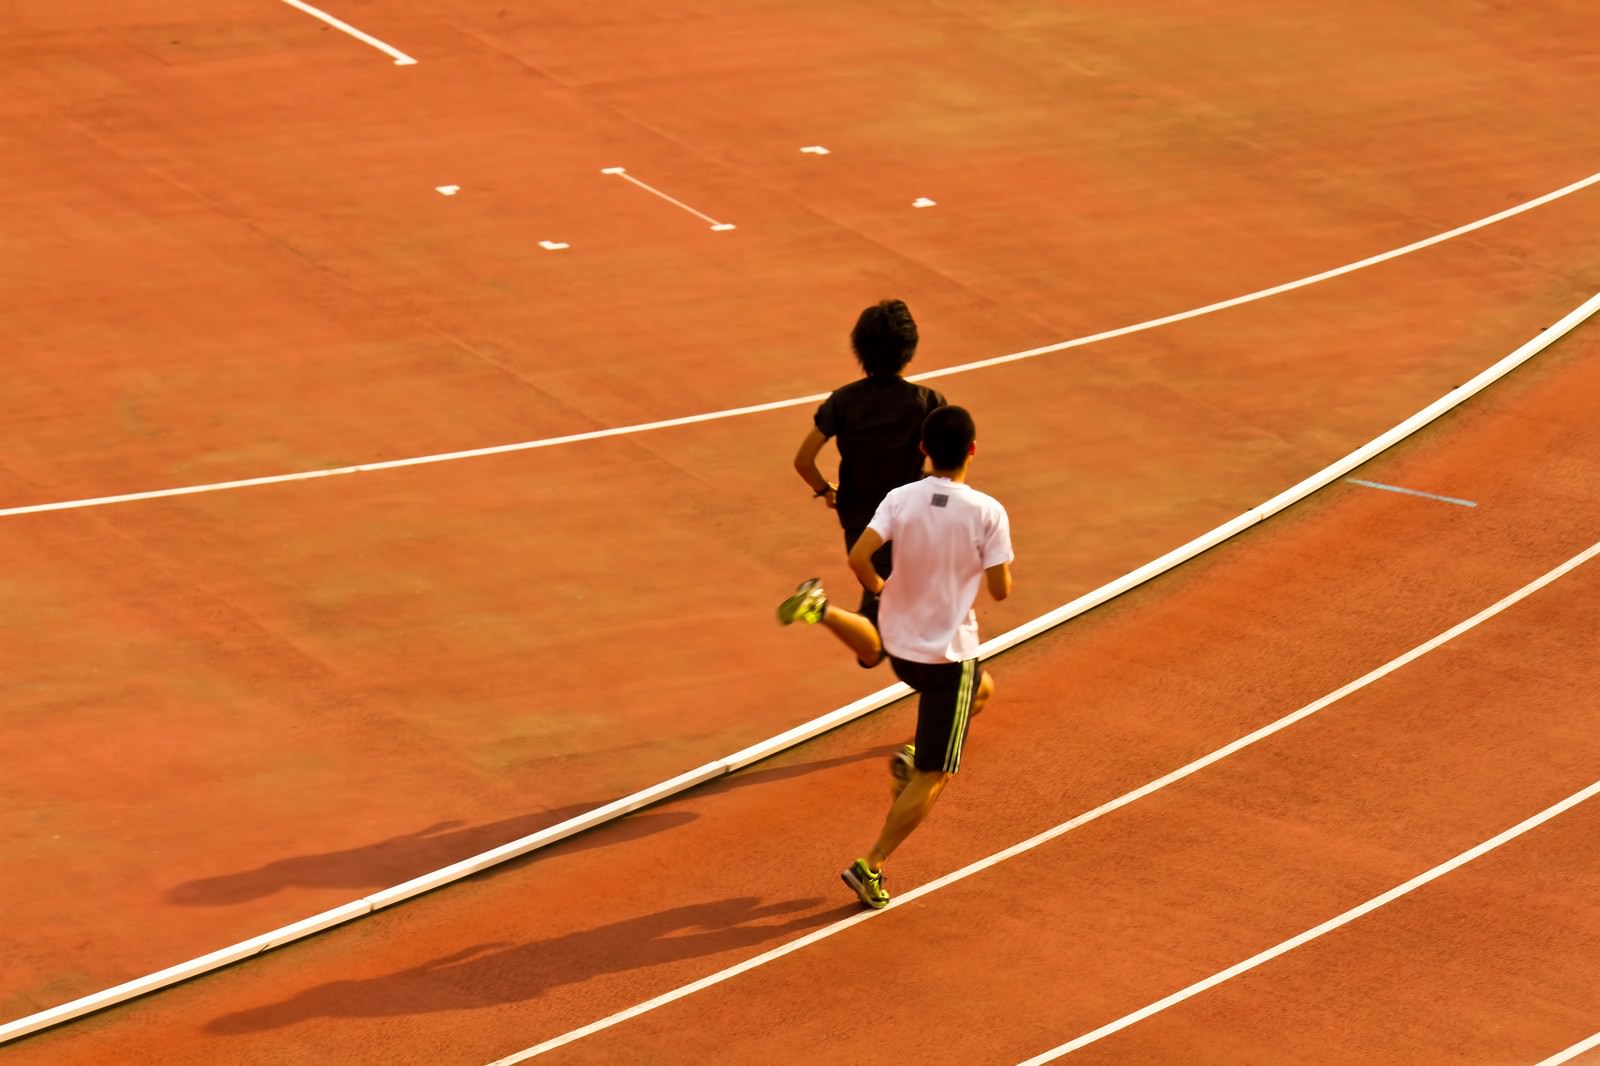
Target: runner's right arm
x,y
805,464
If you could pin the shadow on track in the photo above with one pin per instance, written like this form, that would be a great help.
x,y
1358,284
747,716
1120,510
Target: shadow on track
x,y
487,975
400,858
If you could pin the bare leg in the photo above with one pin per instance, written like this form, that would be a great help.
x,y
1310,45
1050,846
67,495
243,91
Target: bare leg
x,y
858,634
908,811
912,804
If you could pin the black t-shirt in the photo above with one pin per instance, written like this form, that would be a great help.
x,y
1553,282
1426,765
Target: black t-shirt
x,y
877,422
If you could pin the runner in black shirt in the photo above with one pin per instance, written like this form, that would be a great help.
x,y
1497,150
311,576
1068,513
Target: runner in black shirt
x,y
877,422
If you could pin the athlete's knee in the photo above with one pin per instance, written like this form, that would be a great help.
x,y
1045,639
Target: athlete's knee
x,y
866,663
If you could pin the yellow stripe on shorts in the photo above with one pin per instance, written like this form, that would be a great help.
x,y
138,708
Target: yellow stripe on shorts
x,y
958,727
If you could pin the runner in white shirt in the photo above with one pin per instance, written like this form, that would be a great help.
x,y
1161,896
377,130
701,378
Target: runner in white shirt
x,y
949,539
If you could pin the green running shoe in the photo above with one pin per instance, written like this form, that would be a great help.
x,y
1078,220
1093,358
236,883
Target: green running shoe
x,y
806,604
866,884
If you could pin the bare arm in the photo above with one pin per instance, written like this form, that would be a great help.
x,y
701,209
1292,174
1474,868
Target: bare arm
x,y
999,579
861,561
805,464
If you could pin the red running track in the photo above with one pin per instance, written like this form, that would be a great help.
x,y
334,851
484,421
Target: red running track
x,y
1492,963
355,648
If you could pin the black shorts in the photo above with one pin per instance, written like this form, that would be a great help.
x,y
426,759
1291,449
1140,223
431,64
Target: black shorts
x,y
947,691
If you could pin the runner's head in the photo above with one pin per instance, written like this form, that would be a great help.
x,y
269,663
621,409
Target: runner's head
x,y
947,437
885,338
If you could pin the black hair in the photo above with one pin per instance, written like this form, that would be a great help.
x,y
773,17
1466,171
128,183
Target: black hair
x,y
947,436
885,338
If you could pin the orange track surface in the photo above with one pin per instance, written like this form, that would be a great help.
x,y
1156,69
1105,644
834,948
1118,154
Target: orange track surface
x,y
245,707
1371,791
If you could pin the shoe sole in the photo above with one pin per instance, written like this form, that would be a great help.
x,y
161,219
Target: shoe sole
x,y
901,767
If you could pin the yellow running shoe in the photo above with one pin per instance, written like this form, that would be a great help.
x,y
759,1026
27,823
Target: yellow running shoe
x,y
866,884
806,604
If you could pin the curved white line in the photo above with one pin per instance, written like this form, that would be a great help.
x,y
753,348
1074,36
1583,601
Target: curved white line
x,y
1053,833
773,745
1475,852
775,405
1568,1054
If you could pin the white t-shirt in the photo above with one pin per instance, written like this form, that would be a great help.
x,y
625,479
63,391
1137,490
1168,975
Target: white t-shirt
x,y
945,534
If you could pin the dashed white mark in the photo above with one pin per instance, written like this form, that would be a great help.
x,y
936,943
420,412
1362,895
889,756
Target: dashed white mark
x,y
1412,492
447,190
923,201
814,149
553,246
622,173
1580,314
399,57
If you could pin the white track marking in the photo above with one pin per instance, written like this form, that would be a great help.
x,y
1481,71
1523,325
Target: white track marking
x,y
806,730
814,149
447,190
1410,492
1326,476
1083,819
554,246
653,191
400,58
734,412
923,201
1316,931
420,460
1572,1052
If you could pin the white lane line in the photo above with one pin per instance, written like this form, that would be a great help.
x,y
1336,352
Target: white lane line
x,y
800,733
1572,1052
1321,479
400,58
1316,931
1065,827
622,173
420,460
1410,492
734,412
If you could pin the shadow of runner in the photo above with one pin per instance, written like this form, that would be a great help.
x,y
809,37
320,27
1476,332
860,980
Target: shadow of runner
x,y
400,858
488,975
